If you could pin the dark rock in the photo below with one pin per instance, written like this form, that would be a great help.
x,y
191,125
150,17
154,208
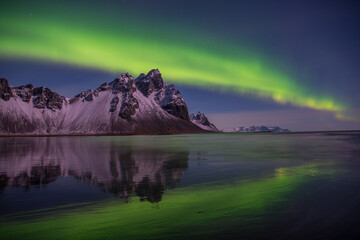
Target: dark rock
x,y
128,107
256,129
166,96
200,118
264,129
103,87
171,101
149,83
113,104
25,92
86,95
44,97
89,97
5,89
123,83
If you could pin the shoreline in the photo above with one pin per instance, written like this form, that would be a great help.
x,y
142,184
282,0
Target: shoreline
x,y
177,133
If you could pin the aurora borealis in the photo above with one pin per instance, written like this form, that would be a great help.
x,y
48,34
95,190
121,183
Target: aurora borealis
x,y
115,39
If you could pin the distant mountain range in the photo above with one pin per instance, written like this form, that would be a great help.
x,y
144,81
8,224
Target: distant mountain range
x,y
145,105
256,129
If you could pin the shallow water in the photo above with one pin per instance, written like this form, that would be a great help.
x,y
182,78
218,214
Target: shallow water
x,y
212,186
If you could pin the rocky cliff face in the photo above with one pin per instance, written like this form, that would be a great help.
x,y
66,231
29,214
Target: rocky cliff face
x,y
203,122
167,96
41,97
149,83
125,105
5,90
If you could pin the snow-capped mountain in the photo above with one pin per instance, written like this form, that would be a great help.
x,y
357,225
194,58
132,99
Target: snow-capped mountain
x,y
124,106
256,129
203,122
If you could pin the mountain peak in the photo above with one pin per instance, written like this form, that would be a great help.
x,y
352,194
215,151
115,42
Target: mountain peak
x,y
202,121
154,73
124,77
150,82
123,83
44,97
5,90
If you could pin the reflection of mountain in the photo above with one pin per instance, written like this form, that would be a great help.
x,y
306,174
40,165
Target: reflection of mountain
x,y
119,169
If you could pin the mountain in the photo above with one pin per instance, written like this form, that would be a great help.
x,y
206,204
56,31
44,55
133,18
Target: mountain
x,y
202,121
256,129
145,105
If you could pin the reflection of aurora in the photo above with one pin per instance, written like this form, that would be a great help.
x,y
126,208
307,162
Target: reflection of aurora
x,y
117,48
240,206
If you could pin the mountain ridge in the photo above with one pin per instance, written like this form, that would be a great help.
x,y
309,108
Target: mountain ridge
x,y
255,129
145,105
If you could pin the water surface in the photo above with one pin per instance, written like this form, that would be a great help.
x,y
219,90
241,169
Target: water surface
x,y
211,186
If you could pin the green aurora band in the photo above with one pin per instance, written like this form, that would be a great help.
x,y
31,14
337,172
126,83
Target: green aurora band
x,y
226,207
101,46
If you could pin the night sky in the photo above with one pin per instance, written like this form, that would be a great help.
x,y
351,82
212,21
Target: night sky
x,y
289,63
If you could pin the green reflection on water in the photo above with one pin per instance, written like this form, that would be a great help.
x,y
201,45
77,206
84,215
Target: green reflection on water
x,y
239,207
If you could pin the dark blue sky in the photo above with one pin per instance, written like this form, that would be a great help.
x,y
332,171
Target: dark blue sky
x,y
316,41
